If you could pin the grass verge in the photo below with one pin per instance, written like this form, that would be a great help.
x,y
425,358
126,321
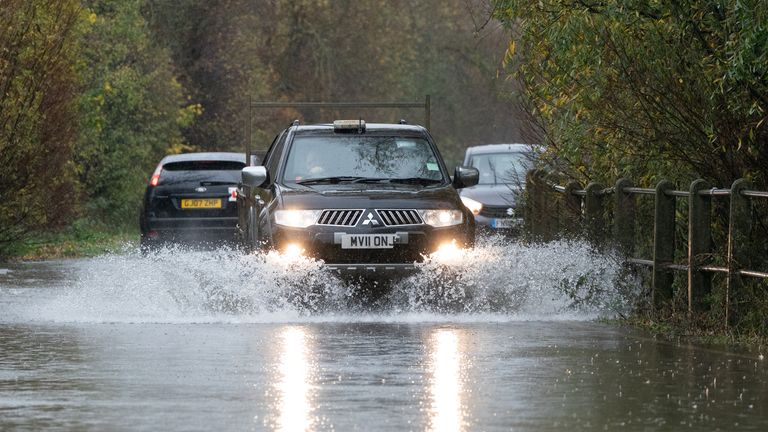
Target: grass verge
x,y
692,333
82,239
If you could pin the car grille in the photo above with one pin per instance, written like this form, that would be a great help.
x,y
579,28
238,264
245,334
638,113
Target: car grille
x,y
339,217
496,211
399,217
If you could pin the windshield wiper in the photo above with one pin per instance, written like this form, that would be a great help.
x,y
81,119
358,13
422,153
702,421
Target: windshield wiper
x,y
371,180
331,180
352,179
217,183
415,180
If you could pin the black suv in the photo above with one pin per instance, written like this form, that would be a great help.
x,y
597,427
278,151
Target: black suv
x,y
360,197
191,198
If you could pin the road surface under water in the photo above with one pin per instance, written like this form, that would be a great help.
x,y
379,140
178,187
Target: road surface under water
x,y
503,338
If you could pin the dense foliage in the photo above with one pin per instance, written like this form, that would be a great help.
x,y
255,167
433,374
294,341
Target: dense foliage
x,y
342,50
650,90
88,104
647,89
38,97
94,92
132,109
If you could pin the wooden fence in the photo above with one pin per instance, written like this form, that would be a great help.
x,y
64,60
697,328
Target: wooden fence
x,y
585,213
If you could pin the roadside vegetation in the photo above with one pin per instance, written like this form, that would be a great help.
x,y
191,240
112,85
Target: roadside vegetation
x,y
650,91
94,92
75,241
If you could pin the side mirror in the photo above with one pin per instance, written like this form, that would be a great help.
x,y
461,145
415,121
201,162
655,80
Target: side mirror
x,y
465,176
254,176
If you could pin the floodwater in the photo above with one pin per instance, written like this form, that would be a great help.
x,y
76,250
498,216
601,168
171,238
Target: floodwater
x,y
506,337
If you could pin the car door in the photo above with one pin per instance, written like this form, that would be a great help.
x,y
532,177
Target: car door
x,y
265,196
249,205
252,202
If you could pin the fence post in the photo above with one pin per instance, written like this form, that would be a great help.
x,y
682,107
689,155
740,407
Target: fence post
x,y
533,217
699,250
739,224
624,218
545,208
593,213
663,244
543,225
572,209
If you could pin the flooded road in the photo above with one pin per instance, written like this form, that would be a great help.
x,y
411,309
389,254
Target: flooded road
x,y
505,339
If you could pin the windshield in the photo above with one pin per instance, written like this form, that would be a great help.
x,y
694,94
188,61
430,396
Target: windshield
x,y
502,168
355,158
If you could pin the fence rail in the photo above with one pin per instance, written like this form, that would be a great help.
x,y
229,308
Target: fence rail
x,y
588,205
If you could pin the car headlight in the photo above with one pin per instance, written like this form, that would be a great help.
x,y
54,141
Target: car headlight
x,y
296,218
472,205
441,218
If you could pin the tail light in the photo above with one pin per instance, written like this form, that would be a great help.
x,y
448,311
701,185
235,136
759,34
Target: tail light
x,y
155,179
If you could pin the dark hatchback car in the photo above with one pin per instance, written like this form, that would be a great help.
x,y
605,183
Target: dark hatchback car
x,y
361,197
191,198
494,200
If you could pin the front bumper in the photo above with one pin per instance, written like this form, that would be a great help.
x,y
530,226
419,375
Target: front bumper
x,y
412,244
372,269
189,229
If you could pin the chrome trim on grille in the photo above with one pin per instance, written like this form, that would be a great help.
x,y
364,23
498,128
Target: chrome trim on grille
x,y
340,217
399,217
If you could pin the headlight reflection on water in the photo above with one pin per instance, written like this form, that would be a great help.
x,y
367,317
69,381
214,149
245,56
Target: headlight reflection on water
x,y
294,387
446,410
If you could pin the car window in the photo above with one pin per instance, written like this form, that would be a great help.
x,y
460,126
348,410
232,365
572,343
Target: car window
x,y
201,171
270,150
272,159
361,156
502,168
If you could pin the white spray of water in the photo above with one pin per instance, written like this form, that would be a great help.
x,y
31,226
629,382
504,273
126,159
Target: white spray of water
x,y
499,280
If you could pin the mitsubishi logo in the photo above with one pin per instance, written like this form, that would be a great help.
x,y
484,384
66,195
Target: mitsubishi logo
x,y
510,211
370,220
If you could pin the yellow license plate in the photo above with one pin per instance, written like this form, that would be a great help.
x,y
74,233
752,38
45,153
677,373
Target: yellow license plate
x,y
198,203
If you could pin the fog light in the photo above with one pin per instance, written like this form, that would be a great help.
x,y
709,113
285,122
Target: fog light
x,y
448,252
293,250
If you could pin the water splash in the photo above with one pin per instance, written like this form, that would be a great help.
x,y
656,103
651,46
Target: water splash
x,y
497,280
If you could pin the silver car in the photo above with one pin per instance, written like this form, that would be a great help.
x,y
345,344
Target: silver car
x,y
494,199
